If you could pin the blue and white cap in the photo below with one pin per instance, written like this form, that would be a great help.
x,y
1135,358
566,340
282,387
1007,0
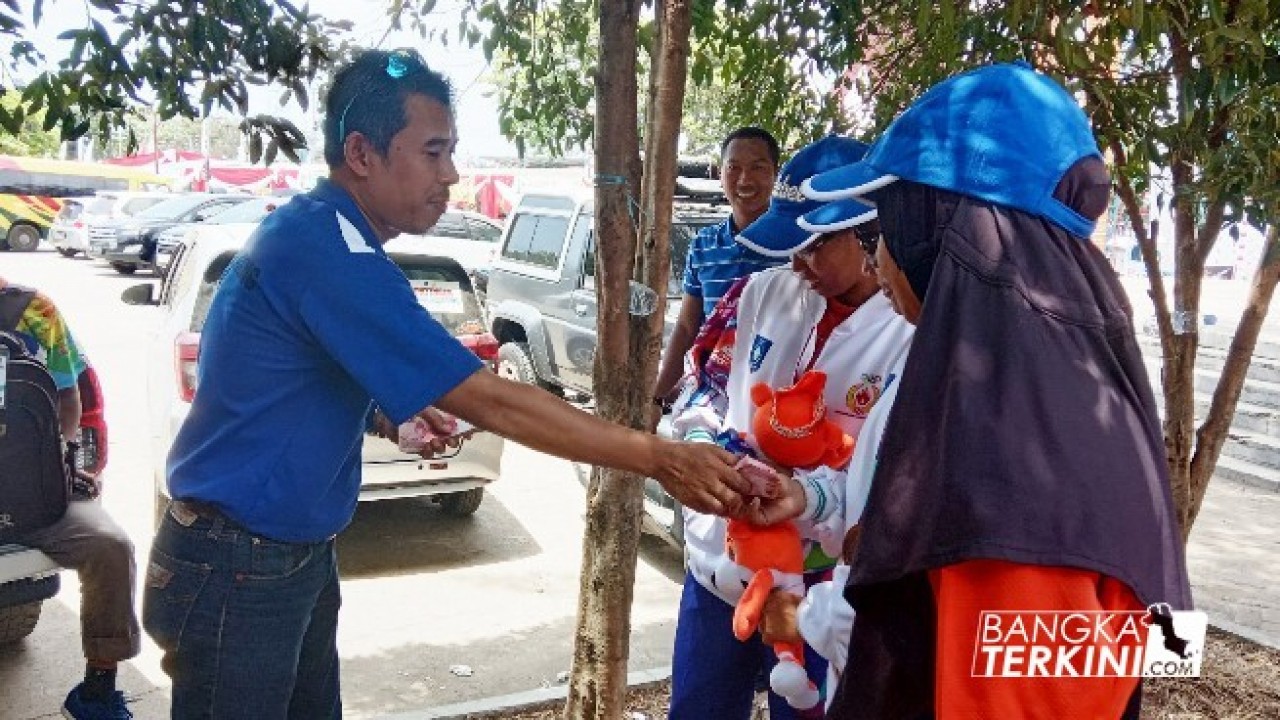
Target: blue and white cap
x,y
776,233
1003,133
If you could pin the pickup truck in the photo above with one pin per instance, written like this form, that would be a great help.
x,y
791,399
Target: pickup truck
x,y
541,292
542,305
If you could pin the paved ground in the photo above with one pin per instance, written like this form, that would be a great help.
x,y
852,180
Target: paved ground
x,y
1234,559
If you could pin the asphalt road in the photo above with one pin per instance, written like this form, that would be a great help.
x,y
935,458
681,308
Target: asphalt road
x,y
422,592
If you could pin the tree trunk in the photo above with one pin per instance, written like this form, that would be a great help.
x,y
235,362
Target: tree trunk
x,y
1213,433
1181,347
597,686
661,151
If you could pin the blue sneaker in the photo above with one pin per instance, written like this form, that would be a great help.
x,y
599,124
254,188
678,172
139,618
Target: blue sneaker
x,y
78,708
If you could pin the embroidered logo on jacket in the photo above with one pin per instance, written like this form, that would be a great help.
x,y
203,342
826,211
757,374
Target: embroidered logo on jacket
x,y
759,348
862,396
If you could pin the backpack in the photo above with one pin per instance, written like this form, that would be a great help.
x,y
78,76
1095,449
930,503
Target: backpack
x,y
35,484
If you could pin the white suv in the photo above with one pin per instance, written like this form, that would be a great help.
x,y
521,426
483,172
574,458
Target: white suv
x,y
70,230
456,482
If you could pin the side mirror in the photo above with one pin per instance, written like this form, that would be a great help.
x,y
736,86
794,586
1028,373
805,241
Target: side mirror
x,y
143,294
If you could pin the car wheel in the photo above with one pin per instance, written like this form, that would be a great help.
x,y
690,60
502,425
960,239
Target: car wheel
x,y
67,252
515,363
18,621
23,238
124,268
462,504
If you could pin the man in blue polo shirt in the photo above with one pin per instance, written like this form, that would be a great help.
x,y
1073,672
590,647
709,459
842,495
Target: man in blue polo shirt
x,y
749,158
312,324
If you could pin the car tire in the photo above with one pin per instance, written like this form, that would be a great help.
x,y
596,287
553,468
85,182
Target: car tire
x,y
516,363
67,252
462,504
18,621
23,238
124,268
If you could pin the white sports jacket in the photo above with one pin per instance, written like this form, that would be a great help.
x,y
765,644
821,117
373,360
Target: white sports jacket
x,y
777,321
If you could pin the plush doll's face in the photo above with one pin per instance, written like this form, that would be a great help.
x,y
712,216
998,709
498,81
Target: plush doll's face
x,y
789,424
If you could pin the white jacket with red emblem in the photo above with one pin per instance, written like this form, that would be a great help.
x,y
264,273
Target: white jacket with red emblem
x,y
777,321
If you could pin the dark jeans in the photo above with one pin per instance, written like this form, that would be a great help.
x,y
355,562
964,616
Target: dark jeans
x,y
248,625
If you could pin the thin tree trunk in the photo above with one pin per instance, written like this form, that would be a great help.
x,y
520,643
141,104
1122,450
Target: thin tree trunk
x,y
597,686
662,131
1183,345
1213,433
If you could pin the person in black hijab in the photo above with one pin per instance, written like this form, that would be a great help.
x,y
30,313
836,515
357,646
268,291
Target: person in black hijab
x,y
1022,467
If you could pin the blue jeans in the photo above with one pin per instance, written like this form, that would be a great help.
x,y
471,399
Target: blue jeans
x,y
248,625
713,675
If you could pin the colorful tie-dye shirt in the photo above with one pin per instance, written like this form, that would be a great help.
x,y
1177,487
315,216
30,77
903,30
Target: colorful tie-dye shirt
x,y
49,339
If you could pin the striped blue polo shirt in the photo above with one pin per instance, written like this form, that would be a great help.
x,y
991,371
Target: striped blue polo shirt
x,y
716,261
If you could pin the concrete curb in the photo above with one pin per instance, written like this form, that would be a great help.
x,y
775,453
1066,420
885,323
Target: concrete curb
x,y
530,700
1253,635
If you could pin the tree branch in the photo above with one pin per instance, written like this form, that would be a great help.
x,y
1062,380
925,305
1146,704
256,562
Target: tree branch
x,y
1213,433
1147,243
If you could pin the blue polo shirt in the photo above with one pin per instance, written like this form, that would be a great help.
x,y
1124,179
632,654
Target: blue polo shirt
x,y
311,323
716,261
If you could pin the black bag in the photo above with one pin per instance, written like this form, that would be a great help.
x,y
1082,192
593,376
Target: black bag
x,y
35,485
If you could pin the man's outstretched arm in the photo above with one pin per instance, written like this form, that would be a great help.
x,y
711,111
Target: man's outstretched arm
x,y
700,476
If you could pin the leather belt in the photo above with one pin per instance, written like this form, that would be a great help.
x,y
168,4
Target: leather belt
x,y
186,512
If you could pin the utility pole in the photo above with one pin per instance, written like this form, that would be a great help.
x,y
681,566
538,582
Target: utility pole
x,y
155,140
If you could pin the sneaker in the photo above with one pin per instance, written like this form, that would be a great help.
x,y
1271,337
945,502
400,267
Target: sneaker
x,y
78,708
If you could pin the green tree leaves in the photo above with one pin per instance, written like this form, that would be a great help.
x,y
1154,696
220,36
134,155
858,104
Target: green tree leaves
x,y
180,58
752,63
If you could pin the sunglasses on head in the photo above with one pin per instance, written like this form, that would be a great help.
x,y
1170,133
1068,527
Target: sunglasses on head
x,y
398,65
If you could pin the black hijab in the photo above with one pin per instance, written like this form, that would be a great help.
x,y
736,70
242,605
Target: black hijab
x,y
1025,430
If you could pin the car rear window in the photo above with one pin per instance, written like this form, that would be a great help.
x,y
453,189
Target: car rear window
x,y
133,206
71,210
442,287
536,239
445,291
100,205
208,286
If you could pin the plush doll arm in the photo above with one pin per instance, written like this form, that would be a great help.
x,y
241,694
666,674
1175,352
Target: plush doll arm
x,y
826,618
746,617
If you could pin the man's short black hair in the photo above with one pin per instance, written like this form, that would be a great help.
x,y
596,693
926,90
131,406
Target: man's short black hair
x,y
368,96
754,133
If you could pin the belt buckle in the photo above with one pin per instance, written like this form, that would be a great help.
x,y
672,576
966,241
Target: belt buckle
x,y
185,516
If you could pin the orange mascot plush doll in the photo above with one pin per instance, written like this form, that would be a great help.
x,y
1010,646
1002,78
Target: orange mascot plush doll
x,y
790,428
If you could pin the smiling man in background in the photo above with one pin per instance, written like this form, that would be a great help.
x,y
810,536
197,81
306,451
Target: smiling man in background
x,y
749,159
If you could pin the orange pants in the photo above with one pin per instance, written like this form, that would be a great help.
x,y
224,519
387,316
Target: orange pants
x,y
962,591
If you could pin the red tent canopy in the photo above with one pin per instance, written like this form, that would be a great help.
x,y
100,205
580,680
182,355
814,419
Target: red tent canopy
x,y
166,156
240,175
